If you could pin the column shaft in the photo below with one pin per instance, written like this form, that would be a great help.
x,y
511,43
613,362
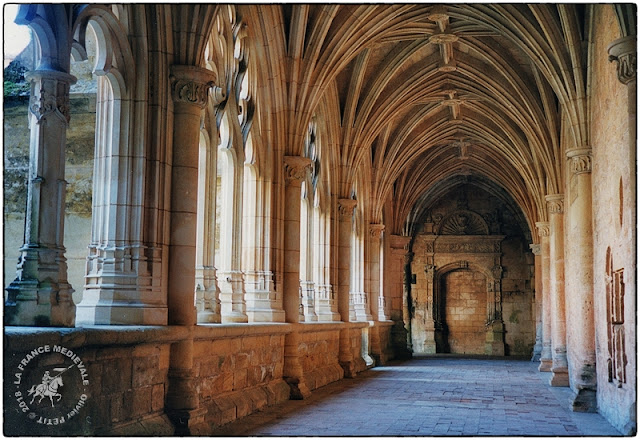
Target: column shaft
x,y
558,318
545,270
581,350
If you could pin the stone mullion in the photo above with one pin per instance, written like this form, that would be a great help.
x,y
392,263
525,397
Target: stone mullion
x,y
581,350
41,294
537,348
360,261
207,290
264,304
307,284
545,251
326,304
559,368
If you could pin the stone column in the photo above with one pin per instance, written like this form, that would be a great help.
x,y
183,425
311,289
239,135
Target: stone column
x,y
189,86
545,269
581,349
295,170
560,376
537,348
345,214
41,295
399,248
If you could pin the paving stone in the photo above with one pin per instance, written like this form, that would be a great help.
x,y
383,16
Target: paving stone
x,y
430,396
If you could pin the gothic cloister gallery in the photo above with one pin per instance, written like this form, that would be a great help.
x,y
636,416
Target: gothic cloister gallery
x,y
281,196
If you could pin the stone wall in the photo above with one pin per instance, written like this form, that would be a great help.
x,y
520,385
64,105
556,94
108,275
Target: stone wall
x,y
614,223
318,348
78,173
238,373
466,311
238,370
464,266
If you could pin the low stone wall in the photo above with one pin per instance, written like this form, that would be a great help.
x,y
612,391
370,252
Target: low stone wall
x,y
239,369
124,382
318,348
122,377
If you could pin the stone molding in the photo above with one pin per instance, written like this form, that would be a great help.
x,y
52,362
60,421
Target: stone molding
x,y
345,207
623,51
580,160
190,84
399,242
543,229
555,203
536,248
52,95
376,229
296,168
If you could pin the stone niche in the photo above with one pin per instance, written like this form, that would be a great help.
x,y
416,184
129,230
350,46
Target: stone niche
x,y
472,292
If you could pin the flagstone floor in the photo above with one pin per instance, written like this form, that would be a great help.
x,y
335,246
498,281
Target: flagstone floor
x,y
431,396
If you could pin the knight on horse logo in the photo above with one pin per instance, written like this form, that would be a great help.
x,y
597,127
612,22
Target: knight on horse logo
x,y
49,386
58,363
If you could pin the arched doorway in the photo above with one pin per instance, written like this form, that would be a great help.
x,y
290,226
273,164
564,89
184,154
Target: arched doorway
x,y
464,310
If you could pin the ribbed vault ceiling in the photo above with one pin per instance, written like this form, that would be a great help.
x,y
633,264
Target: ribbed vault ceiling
x,y
423,93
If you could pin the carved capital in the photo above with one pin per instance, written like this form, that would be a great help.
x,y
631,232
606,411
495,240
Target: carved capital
x,y
345,208
536,248
375,230
623,51
296,168
543,229
190,84
50,93
580,160
555,203
497,272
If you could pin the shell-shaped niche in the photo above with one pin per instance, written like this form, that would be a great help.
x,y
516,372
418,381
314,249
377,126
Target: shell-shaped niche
x,y
464,222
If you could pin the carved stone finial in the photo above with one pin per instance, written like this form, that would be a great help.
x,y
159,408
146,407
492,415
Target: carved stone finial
x,y
555,203
190,84
580,160
345,207
536,248
543,229
296,168
623,51
375,229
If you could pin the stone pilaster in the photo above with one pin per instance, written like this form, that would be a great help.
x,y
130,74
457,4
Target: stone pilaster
x,y
431,312
494,343
537,252
559,369
345,218
40,295
295,170
581,350
545,251
399,335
